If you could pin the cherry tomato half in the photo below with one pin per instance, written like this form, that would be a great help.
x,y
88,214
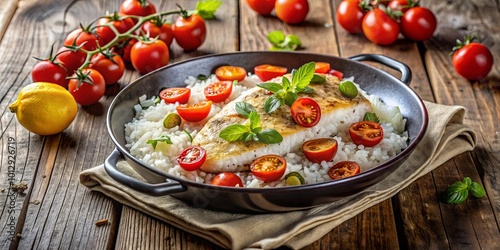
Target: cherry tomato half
x,y
194,112
268,167
263,7
418,24
291,11
192,158
306,112
322,67
173,95
336,73
227,179
380,28
230,73
189,32
366,133
343,169
218,91
322,149
267,72
473,61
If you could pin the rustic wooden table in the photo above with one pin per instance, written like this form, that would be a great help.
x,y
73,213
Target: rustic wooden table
x,y
57,212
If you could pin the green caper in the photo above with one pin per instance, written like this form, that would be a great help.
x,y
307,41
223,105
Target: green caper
x,y
294,179
172,120
348,89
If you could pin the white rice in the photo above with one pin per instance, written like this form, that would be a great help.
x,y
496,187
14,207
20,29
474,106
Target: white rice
x,y
148,124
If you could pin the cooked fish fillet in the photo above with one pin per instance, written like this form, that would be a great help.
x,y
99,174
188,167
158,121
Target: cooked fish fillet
x,y
223,156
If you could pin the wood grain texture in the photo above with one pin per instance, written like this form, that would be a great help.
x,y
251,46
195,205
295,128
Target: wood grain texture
x,y
6,13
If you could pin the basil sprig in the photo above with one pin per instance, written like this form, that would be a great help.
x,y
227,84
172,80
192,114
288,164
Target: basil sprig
x,y
280,41
286,92
458,192
162,138
252,130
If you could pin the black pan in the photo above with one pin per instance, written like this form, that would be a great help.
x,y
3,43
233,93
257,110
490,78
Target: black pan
x,y
391,90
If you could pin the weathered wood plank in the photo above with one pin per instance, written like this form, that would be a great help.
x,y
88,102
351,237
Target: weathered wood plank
x,y
6,13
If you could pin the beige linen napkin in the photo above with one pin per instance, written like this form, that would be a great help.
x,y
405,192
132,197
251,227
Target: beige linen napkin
x,y
446,137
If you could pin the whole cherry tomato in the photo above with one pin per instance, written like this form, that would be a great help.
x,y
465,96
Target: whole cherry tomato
x,y
230,73
194,112
343,169
322,67
291,11
306,112
380,28
268,167
263,7
110,65
318,150
472,60
71,58
350,16
137,8
218,91
418,24
123,48
173,95
147,56
158,28
401,5
116,20
50,71
192,158
87,86
85,38
366,133
267,72
227,179
189,32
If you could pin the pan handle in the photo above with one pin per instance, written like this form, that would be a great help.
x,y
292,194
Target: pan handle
x,y
387,61
158,189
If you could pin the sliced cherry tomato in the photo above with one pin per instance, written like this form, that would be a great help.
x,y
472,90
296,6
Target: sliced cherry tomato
x,y
268,167
110,65
380,28
291,11
218,91
322,67
50,71
194,112
263,7
336,73
230,73
418,24
192,158
267,72
343,169
366,133
173,95
147,56
306,112
322,149
189,32
227,179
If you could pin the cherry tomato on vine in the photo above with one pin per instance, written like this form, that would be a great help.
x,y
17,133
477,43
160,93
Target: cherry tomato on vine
x,y
192,158
380,28
401,5
267,72
137,8
343,169
227,179
321,149
147,56
50,71
87,86
189,32
350,16
472,60
268,167
366,133
194,112
263,7
292,11
88,40
218,91
110,65
418,24
306,112
173,95
322,67
158,28
121,25
72,59
230,73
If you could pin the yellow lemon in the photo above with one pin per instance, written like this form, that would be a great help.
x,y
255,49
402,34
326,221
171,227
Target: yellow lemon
x,y
44,108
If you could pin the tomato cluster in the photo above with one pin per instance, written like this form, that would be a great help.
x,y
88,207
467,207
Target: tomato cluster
x,y
288,11
382,24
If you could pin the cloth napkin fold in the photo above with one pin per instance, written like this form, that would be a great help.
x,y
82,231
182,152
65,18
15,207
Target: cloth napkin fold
x,y
445,138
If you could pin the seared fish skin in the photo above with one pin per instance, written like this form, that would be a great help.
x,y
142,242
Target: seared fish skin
x,y
223,156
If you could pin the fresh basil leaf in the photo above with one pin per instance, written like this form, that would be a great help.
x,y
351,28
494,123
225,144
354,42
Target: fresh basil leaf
x,y
254,120
303,76
233,132
291,42
272,103
244,108
477,190
201,77
271,86
269,136
370,116
317,79
467,181
249,137
162,138
287,85
456,193
308,90
290,98
207,8
276,38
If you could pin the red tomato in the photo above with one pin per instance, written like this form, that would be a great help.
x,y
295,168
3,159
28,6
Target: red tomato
x,y
137,8
380,28
192,158
343,169
418,24
194,112
72,59
350,16
124,48
336,73
230,73
158,28
472,60
88,40
322,149
263,7
173,95
121,25
218,91
268,167
366,133
49,71
322,67
227,179
267,72
306,112
401,5
147,56
189,32
291,11
111,66
87,86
